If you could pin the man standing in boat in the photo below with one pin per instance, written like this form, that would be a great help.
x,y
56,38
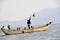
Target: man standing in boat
x,y
29,22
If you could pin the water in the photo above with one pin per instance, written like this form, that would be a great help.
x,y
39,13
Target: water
x,y
53,33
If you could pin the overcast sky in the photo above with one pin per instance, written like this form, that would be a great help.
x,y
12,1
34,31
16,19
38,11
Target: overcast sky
x,y
13,10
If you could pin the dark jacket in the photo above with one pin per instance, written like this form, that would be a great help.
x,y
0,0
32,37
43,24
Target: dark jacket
x,y
28,22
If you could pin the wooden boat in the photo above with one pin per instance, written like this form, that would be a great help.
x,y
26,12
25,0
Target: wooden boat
x,y
21,31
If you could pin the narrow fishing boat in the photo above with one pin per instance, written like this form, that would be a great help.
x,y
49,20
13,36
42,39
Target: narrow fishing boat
x,y
21,31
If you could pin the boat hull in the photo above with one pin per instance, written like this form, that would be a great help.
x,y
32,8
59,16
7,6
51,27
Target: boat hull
x,y
21,31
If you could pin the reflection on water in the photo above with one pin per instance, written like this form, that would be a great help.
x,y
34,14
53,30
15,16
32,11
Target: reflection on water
x,y
53,33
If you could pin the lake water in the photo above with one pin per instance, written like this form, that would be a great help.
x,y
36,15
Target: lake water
x,y
53,33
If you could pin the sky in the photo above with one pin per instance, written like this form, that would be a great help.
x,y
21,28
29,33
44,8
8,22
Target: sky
x,y
13,10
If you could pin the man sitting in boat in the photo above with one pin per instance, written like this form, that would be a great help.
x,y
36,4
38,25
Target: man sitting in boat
x,y
18,28
32,27
50,22
8,27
